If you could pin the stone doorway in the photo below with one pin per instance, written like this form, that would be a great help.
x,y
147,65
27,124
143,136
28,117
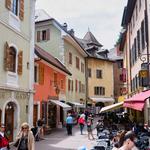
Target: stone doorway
x,y
9,120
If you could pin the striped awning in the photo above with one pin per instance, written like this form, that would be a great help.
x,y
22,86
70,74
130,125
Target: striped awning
x,y
111,107
61,104
102,99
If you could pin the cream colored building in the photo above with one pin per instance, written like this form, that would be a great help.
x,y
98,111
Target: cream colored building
x,y
16,63
62,44
136,47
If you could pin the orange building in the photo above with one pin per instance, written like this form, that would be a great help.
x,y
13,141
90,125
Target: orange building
x,y
50,89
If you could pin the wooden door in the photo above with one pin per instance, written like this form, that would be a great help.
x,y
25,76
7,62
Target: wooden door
x,y
35,114
9,122
61,115
52,115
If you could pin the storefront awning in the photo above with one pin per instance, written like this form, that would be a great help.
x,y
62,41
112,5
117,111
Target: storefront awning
x,y
142,96
77,104
61,104
111,107
102,99
134,105
137,101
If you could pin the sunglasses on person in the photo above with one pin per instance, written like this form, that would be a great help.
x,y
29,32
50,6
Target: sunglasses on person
x,y
24,128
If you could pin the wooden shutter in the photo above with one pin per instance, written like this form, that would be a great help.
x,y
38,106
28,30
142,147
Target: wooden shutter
x,y
41,74
20,61
48,34
7,61
68,84
21,11
38,36
72,85
76,85
70,58
8,4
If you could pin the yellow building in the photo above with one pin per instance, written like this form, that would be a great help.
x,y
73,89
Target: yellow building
x,y
100,81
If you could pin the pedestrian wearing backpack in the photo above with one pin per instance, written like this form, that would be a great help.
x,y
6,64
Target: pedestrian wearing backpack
x,y
81,122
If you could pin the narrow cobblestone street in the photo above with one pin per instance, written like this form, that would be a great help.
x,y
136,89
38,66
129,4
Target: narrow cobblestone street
x,y
59,140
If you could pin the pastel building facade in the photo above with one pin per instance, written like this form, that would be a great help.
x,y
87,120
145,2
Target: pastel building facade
x,y
136,47
61,43
17,64
99,73
50,89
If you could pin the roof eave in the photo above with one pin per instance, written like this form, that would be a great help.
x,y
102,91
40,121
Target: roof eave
x,y
46,20
101,59
129,11
42,57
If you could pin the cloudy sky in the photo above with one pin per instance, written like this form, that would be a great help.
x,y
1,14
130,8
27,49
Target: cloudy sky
x,y
102,17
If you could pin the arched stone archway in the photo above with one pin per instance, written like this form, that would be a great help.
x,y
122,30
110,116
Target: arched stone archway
x,y
9,119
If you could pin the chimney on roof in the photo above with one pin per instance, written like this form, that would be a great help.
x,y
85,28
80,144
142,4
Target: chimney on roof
x,y
71,32
65,26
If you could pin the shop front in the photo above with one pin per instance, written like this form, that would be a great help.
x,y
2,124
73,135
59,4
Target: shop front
x,y
54,113
139,103
111,107
59,112
99,102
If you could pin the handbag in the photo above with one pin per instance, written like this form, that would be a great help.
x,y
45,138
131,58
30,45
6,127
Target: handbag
x,y
4,142
16,143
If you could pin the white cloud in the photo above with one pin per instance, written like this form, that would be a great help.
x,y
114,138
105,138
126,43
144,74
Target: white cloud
x,y
103,17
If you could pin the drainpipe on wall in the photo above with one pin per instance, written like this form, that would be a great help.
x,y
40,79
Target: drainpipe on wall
x,y
129,72
147,119
86,81
147,39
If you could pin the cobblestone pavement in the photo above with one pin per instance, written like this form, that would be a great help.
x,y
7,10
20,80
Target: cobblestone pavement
x,y
59,140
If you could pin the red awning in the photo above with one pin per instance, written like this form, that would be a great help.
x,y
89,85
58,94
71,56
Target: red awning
x,y
137,101
134,105
142,96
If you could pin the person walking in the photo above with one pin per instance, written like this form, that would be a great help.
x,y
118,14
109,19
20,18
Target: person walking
x,y
69,122
40,132
4,142
89,129
81,122
25,139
